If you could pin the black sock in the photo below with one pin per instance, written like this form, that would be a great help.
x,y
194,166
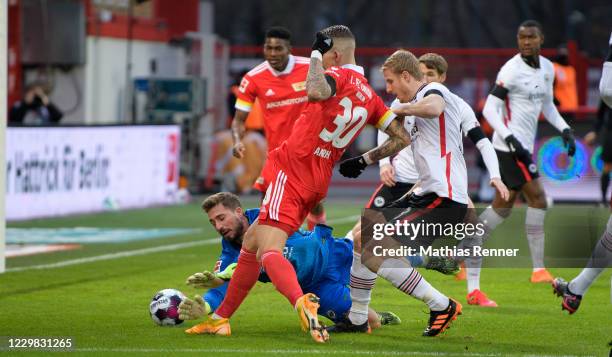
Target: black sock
x,y
609,58
604,182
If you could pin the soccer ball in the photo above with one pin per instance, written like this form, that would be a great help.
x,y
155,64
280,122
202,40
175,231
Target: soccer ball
x,y
164,307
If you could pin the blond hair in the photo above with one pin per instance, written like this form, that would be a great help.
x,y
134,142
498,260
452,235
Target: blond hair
x,y
434,61
403,61
227,199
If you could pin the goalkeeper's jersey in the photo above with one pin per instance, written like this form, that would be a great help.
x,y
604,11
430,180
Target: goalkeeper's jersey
x,y
310,253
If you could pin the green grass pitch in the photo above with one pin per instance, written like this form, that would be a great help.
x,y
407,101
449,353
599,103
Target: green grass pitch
x,y
103,304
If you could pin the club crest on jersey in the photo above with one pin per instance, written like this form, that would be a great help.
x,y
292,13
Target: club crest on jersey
x,y
532,168
379,201
244,83
299,86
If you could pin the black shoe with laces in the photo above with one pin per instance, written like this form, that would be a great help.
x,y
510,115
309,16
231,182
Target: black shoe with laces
x,y
439,321
571,301
346,326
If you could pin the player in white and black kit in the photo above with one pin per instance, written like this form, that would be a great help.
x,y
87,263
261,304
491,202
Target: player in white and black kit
x,y
523,90
601,257
438,155
434,68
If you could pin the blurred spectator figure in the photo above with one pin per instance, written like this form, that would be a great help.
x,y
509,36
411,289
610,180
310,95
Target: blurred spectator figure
x,y
566,94
236,175
35,108
604,121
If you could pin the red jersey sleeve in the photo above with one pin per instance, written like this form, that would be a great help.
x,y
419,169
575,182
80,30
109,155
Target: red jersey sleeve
x,y
247,92
381,115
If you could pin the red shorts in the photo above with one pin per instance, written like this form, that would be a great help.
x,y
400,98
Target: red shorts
x,y
287,203
260,184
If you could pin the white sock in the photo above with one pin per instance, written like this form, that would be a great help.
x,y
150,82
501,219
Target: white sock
x,y
534,226
472,270
404,277
214,316
490,218
362,282
600,259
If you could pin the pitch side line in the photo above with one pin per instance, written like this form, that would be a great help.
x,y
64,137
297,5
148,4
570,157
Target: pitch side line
x,y
131,253
304,352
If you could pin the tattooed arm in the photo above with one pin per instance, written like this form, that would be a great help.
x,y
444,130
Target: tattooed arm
x,y
318,86
398,139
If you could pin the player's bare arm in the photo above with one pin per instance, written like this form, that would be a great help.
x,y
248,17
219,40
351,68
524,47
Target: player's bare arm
x,y
429,107
238,130
398,139
317,86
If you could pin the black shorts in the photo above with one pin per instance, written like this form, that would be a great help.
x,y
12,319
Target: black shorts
x,y
384,195
430,208
515,173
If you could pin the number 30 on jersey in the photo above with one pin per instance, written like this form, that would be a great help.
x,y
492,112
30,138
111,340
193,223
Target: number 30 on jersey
x,y
347,124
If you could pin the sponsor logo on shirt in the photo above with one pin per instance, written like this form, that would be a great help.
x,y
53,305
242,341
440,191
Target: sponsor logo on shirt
x,y
299,86
283,103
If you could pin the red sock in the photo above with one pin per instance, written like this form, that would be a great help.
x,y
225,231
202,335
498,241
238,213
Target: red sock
x,y
282,275
312,220
243,279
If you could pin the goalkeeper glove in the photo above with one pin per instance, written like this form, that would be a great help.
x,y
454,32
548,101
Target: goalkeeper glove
x,y
204,279
227,273
322,43
353,167
569,141
193,309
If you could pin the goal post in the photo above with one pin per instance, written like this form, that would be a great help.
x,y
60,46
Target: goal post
x,y
3,121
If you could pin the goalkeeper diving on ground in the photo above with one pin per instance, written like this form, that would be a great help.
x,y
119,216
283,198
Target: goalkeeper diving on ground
x,y
321,261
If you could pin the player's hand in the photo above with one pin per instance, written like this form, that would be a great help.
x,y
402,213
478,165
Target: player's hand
x,y
387,175
201,280
569,141
517,149
497,183
590,138
353,167
322,43
193,309
238,150
227,273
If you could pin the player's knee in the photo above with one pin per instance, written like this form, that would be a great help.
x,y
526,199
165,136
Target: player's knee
x,y
538,200
249,242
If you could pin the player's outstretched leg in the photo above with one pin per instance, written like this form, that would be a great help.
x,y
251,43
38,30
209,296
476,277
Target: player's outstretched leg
x,y
307,308
571,301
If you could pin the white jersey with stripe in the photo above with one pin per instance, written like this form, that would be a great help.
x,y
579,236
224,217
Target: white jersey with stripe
x,y
403,161
528,89
438,148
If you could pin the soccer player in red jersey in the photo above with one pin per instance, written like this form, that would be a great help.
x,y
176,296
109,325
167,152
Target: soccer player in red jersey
x,y
340,103
279,83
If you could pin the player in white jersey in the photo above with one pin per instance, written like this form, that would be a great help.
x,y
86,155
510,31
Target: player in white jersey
x,y
434,68
440,198
523,90
601,257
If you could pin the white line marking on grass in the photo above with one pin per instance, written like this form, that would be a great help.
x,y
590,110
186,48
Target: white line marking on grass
x,y
131,253
302,352
124,254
